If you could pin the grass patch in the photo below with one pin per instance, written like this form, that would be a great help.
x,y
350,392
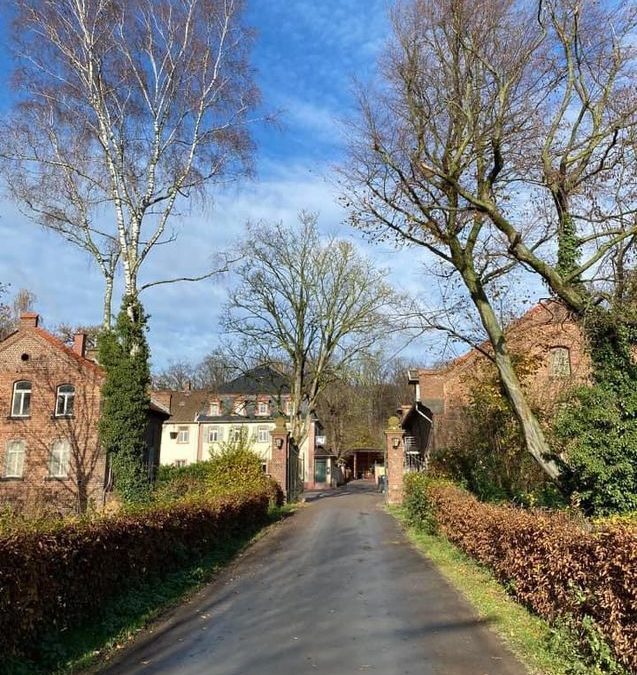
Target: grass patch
x,y
88,645
545,649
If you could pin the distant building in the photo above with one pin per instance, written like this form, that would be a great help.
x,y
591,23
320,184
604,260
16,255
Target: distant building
x,y
50,396
201,421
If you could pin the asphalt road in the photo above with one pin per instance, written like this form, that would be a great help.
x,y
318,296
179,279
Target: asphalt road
x,y
335,589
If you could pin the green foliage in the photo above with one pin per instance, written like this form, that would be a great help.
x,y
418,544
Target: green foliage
x,y
235,469
416,502
597,426
568,248
123,352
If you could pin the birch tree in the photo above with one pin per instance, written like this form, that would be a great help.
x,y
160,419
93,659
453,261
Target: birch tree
x,y
314,304
124,111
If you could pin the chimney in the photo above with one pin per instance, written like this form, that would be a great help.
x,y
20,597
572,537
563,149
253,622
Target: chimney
x,y
29,320
79,344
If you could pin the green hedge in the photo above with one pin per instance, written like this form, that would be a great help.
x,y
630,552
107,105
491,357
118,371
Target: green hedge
x,y
52,579
559,566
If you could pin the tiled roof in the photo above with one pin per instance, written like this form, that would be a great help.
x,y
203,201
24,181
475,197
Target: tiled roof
x,y
261,380
186,405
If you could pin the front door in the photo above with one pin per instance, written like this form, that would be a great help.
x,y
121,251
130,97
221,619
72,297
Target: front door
x,y
320,472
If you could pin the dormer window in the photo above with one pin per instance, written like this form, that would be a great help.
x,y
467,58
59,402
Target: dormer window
x,y
214,410
21,403
263,408
288,407
239,407
65,400
559,362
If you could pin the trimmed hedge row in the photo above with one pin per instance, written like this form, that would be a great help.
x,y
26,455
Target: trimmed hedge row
x,y
55,579
550,562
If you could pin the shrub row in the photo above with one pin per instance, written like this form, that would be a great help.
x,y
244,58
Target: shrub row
x,y
54,579
551,562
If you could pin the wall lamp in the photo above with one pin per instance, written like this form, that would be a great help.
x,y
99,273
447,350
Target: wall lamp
x,y
278,442
395,442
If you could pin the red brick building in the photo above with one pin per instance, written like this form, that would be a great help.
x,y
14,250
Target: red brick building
x,y
49,409
547,340
552,352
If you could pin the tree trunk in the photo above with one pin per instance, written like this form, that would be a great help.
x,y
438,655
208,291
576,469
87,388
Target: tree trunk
x,y
108,303
532,431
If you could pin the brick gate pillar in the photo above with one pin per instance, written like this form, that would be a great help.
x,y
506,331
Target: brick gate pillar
x,y
278,465
395,453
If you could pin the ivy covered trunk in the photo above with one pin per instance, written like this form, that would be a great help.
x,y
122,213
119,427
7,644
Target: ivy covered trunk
x,y
123,352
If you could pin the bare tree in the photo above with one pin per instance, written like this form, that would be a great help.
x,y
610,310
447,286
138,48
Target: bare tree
x,y
315,304
22,301
434,85
125,110
212,371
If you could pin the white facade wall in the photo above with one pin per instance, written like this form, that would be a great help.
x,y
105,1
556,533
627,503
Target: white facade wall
x,y
173,449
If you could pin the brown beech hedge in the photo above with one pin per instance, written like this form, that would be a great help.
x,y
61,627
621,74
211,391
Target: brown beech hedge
x,y
553,563
55,579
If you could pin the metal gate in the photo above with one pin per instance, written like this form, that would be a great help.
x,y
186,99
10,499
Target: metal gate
x,y
294,477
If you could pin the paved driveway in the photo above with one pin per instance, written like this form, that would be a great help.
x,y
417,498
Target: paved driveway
x,y
335,589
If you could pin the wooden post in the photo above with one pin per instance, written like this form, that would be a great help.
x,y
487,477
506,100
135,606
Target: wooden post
x,y
395,461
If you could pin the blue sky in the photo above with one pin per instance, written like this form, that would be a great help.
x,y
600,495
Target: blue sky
x,y
306,55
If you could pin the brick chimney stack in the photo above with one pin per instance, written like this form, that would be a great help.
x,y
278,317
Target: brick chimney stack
x,y
29,320
79,344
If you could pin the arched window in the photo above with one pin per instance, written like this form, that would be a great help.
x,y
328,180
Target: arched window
x,y
65,400
559,362
14,459
60,458
21,404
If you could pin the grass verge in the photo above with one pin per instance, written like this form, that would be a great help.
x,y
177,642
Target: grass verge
x,y
545,649
89,645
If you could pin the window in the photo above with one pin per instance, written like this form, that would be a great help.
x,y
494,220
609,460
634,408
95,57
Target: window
x,y
263,434
214,409
21,405
14,462
65,400
263,408
214,434
235,434
288,407
180,462
59,460
239,407
559,362
183,434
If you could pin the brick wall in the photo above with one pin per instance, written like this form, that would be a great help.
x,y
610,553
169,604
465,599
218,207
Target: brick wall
x,y
539,336
35,356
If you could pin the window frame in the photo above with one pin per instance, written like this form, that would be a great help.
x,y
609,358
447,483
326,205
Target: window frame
x,y
263,408
214,409
214,429
66,397
266,431
10,443
565,360
67,463
180,430
25,394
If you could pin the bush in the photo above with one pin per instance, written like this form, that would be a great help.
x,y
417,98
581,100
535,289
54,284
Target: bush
x,y
234,470
559,566
54,578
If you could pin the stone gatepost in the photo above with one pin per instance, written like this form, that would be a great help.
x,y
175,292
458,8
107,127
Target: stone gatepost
x,y
395,453
278,465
